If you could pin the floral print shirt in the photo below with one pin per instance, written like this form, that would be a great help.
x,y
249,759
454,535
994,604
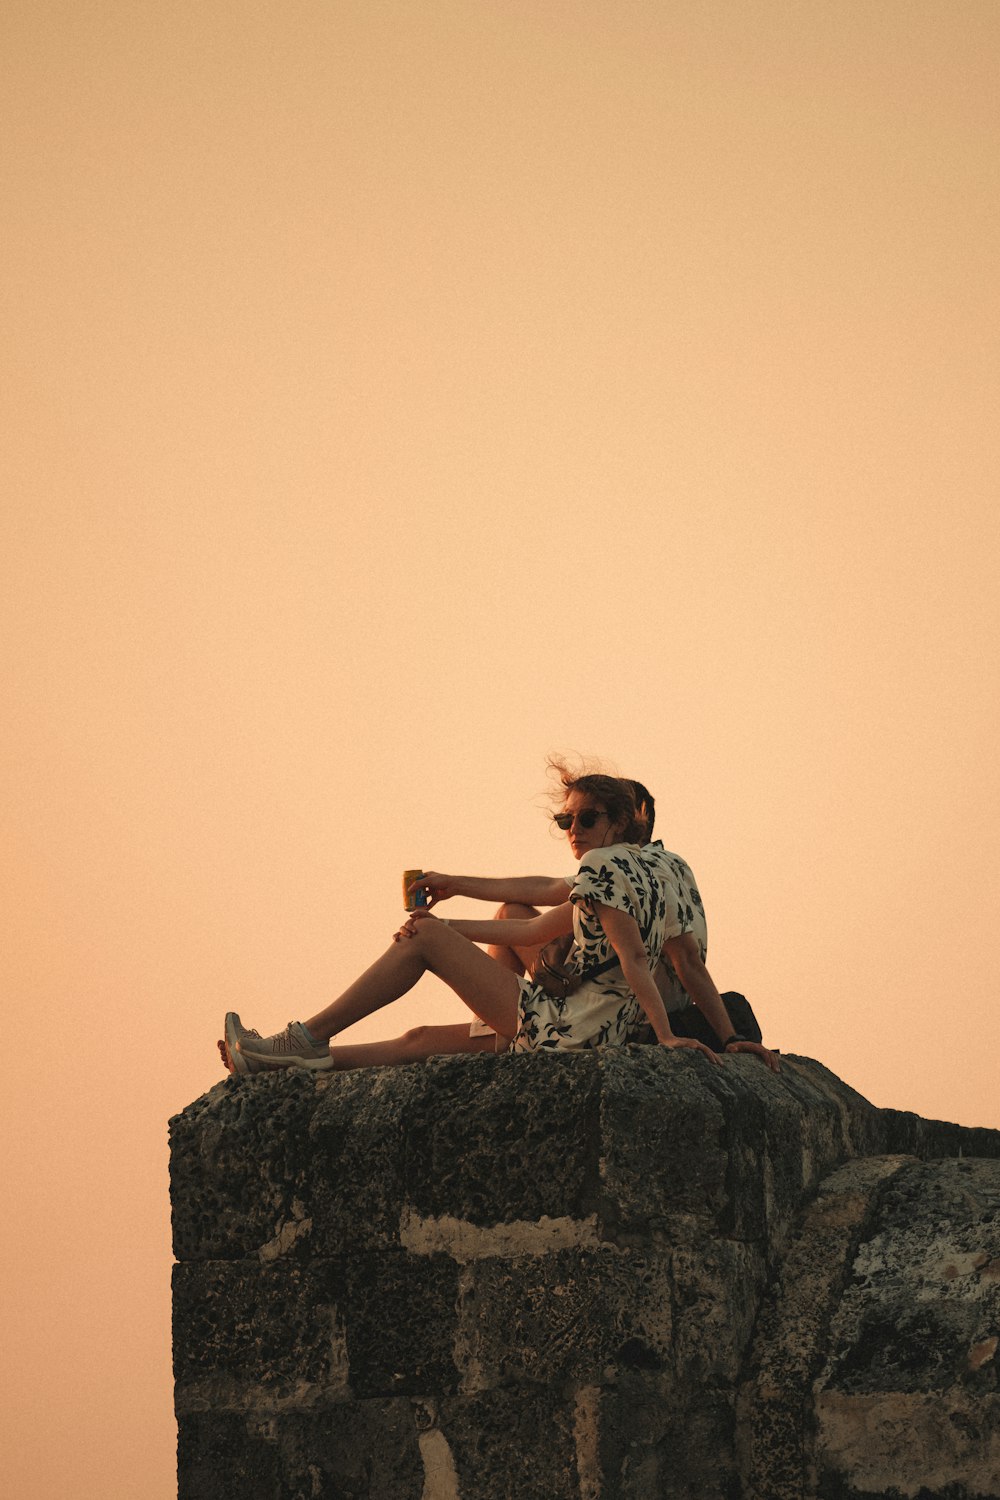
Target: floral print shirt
x,y
642,882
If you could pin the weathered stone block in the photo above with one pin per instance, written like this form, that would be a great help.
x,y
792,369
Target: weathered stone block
x,y
497,1139
923,1300
368,1450
239,1160
792,1332
630,1454
512,1444
908,1396
874,1366
270,1336
578,1315
400,1314
910,1135
679,1143
257,1337
716,1287
660,1440
357,1155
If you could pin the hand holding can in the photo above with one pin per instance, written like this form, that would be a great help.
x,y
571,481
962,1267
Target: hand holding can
x,y
413,899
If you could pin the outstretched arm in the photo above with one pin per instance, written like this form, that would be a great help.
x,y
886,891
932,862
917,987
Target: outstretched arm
x,y
689,966
513,932
529,890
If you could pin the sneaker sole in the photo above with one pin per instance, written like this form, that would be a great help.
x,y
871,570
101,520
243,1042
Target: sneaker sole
x,y
240,1066
267,1060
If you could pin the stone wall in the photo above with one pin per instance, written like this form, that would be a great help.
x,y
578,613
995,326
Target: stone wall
x,y
581,1276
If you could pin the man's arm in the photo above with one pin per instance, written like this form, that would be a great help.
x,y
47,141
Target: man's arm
x,y
529,890
623,934
689,966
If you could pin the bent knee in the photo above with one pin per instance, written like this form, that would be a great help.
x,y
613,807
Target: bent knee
x,y
514,911
416,1039
428,932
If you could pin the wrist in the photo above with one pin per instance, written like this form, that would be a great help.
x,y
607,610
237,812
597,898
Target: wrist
x,y
734,1038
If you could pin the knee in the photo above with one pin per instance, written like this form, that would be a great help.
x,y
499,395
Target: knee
x,y
423,935
414,1042
428,943
513,911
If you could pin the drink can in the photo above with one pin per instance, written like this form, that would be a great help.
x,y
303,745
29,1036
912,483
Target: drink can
x,y
412,899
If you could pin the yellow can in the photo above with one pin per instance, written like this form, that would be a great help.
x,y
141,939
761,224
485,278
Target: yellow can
x,y
412,899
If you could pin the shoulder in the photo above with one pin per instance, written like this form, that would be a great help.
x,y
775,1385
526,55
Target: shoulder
x,y
603,870
682,877
655,856
677,863
615,856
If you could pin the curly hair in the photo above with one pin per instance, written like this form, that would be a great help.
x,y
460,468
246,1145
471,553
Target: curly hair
x,y
617,795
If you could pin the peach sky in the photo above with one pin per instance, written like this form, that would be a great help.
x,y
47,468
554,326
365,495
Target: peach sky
x,y
397,393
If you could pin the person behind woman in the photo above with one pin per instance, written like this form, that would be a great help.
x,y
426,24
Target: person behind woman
x,y
616,912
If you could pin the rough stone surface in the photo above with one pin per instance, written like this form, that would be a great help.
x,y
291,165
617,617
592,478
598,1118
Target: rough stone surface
x,y
909,1394
792,1333
582,1276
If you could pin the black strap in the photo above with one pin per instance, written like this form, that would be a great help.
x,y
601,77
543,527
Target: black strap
x,y
609,963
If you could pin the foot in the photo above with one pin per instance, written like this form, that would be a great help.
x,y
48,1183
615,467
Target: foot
x,y
291,1048
231,1055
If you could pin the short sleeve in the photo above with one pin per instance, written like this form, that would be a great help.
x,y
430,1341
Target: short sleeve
x,y
676,925
680,917
674,910
606,878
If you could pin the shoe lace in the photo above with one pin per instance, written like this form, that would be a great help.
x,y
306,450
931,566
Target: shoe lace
x,y
284,1042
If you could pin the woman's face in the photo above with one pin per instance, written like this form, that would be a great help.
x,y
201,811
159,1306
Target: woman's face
x,y
602,831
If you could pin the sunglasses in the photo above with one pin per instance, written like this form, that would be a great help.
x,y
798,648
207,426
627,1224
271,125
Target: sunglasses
x,y
586,819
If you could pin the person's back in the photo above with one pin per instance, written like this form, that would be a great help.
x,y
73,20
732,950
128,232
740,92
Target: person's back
x,y
687,916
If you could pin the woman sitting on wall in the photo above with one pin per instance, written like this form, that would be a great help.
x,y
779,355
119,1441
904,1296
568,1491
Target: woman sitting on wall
x,y
518,896
617,913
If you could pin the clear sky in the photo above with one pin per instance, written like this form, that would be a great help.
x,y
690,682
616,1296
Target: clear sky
x,y
396,393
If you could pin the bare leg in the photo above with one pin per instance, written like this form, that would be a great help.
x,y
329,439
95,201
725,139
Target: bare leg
x,y
434,1041
517,960
488,989
415,1046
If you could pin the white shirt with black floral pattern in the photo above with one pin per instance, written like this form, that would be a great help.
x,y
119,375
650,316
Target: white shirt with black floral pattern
x,y
644,883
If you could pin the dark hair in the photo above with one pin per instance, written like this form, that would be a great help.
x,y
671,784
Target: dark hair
x,y
617,796
645,807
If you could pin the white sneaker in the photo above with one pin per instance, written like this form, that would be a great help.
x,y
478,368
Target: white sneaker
x,y
291,1048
